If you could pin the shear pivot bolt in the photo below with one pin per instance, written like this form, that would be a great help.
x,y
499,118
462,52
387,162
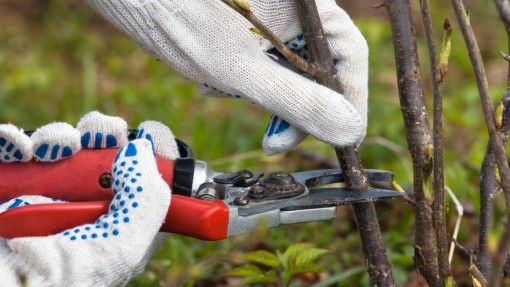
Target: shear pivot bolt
x,y
243,200
257,189
105,180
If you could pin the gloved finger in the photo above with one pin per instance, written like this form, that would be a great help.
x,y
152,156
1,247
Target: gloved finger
x,y
15,146
102,131
308,106
26,200
350,52
350,57
55,141
107,251
280,136
161,137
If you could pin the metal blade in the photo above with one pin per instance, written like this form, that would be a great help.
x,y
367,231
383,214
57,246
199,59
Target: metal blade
x,y
328,197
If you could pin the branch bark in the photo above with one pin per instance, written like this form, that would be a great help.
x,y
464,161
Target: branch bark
x,y
483,90
321,68
438,168
417,127
376,261
292,57
489,187
496,139
504,10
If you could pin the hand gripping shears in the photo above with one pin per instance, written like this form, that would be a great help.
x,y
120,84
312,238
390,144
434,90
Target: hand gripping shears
x,y
206,204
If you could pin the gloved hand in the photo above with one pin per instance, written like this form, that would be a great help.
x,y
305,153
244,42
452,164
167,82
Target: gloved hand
x,y
211,44
116,247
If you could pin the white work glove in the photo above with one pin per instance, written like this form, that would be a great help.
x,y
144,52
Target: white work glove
x,y
210,43
116,247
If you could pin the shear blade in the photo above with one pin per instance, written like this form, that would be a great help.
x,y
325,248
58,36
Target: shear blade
x,y
328,197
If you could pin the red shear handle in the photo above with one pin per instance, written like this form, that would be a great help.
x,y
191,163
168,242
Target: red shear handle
x,y
206,220
73,179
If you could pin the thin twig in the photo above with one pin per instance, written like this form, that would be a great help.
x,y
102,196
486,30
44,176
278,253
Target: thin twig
x,y
395,186
438,173
504,56
496,139
380,5
504,10
473,269
294,58
464,250
483,90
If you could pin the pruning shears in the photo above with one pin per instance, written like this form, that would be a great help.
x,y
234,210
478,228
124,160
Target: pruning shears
x,y
206,204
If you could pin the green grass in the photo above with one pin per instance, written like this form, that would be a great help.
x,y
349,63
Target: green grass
x,y
59,60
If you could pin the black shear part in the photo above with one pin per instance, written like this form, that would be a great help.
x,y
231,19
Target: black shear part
x,y
328,197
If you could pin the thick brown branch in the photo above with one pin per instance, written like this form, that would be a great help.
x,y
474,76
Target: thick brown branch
x,y
376,261
419,139
322,69
489,188
438,172
488,183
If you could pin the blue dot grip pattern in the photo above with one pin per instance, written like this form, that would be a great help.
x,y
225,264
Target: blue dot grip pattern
x,y
55,152
276,126
8,151
111,224
110,141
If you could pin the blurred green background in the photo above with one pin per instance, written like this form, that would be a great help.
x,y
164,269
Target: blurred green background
x,y
60,60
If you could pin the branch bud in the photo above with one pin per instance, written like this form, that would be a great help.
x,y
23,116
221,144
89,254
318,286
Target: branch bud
x,y
256,31
496,174
243,5
446,48
476,283
396,186
499,115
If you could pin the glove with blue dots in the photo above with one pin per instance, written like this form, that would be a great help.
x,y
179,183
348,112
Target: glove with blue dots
x,y
212,44
114,248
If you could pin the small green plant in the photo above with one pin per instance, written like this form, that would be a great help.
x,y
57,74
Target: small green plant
x,y
282,268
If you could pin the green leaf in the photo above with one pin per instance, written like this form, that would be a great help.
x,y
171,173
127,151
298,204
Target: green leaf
x,y
291,253
309,255
286,276
309,268
257,279
448,281
245,271
344,275
263,257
